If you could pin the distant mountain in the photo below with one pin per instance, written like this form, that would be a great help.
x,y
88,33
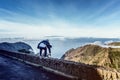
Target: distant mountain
x,y
16,47
114,44
96,55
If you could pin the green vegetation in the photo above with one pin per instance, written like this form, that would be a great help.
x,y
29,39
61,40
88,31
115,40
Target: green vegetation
x,y
115,59
115,44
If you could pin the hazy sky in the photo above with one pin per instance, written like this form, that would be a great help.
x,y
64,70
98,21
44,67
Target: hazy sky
x,y
69,18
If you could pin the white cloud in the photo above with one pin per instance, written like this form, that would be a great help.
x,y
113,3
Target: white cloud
x,y
64,29
5,11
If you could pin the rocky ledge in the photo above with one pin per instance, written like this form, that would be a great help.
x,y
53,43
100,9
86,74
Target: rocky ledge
x,y
17,47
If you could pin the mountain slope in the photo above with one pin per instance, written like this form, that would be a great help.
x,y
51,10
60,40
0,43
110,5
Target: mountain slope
x,y
95,55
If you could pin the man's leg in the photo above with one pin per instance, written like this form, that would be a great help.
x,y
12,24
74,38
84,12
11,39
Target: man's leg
x,y
40,51
49,50
45,53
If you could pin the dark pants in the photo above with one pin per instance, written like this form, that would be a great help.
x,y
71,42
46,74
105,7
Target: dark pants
x,y
43,49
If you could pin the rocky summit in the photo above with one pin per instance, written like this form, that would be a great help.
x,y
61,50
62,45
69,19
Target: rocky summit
x,y
107,56
17,47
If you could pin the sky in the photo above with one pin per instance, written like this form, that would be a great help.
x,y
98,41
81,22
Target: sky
x,y
68,18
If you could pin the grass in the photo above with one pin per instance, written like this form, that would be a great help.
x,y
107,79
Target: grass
x,y
115,44
115,59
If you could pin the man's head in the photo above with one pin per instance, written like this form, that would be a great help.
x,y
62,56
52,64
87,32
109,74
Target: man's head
x,y
47,40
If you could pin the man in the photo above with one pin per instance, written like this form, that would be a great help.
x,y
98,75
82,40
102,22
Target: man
x,y
43,46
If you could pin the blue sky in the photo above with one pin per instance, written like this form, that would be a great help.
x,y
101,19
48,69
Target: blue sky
x,y
69,18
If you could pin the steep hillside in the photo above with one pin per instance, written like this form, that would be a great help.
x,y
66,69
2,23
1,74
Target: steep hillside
x,y
95,55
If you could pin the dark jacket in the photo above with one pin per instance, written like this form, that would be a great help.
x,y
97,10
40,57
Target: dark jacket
x,y
46,42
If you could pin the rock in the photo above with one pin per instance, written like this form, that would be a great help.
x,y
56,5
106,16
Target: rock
x,y
16,47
